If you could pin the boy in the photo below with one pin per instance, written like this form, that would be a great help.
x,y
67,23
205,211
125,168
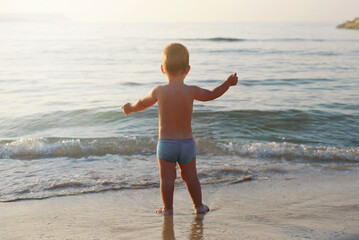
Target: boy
x,y
175,144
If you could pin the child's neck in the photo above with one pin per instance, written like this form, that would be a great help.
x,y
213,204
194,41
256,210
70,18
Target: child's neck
x,y
176,79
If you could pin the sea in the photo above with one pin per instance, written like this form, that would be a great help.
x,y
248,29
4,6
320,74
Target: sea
x,y
62,84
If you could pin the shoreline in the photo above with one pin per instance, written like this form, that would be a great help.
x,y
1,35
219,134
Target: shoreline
x,y
313,205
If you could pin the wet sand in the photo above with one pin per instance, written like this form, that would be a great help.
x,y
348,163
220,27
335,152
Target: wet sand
x,y
303,206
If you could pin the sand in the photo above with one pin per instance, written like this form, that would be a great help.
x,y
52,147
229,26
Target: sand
x,y
304,206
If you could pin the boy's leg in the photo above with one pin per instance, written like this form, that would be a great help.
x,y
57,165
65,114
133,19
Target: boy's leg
x,y
189,175
168,177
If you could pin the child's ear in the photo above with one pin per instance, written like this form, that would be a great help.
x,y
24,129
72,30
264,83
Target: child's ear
x,y
188,69
163,69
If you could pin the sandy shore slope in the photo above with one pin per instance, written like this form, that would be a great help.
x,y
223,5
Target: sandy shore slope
x,y
306,206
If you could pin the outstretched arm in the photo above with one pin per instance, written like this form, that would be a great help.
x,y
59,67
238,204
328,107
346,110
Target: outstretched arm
x,y
141,104
207,95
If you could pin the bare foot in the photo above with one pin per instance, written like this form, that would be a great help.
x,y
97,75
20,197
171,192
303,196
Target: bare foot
x,y
203,209
164,211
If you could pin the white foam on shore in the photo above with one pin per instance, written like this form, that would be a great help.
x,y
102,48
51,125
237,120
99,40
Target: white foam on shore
x,y
34,148
289,151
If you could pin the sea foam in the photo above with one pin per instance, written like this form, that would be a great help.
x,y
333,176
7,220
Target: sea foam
x,y
34,148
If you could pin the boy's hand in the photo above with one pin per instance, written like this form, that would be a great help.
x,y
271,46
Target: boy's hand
x,y
126,108
232,79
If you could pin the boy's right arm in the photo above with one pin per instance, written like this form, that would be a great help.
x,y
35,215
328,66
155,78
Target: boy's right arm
x,y
201,94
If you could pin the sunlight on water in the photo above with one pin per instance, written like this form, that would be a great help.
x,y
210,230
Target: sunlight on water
x,y
62,85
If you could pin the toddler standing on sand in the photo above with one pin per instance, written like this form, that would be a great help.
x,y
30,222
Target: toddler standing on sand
x,y
175,105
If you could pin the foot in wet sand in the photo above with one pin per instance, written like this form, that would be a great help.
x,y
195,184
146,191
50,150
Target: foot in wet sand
x,y
203,209
164,211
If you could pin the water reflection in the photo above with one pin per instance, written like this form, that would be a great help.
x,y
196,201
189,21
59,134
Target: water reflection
x,y
195,233
197,227
168,232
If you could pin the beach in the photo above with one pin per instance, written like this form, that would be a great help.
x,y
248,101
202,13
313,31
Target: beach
x,y
303,206
277,155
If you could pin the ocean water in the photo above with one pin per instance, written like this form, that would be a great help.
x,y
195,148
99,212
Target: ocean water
x,y
62,131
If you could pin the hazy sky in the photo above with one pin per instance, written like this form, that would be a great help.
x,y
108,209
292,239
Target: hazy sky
x,y
189,10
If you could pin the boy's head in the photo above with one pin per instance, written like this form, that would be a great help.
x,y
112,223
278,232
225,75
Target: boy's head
x,y
175,59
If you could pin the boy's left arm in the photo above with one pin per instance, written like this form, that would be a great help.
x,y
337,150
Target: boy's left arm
x,y
149,100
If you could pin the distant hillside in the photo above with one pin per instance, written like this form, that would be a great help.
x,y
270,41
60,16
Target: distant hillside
x,y
48,17
350,24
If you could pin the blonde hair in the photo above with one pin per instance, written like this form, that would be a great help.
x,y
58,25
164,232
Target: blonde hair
x,y
175,58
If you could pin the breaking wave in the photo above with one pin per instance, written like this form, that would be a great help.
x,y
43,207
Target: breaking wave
x,y
35,148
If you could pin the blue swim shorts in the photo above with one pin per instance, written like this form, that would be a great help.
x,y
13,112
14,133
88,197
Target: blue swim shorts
x,y
176,150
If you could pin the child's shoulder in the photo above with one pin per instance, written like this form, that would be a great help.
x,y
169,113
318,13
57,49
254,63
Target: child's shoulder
x,y
193,88
161,89
158,90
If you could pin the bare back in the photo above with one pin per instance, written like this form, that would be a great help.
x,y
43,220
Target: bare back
x,y
175,105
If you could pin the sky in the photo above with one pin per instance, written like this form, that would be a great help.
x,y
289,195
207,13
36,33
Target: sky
x,y
190,10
